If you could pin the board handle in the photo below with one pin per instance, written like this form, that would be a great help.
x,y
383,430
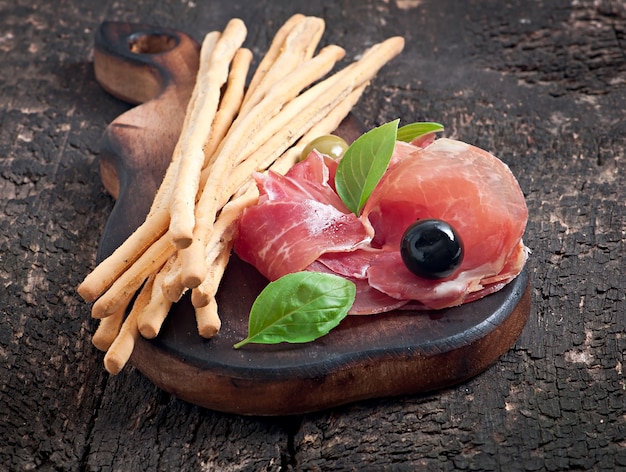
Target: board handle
x,y
137,62
154,68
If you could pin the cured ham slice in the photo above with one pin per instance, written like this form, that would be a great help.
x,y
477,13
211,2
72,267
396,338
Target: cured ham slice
x,y
466,187
298,218
300,223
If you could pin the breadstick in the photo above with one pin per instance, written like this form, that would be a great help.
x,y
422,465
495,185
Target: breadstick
x,y
287,88
170,281
371,61
172,285
207,319
219,247
282,92
203,293
298,47
109,270
108,329
164,193
152,315
121,349
359,73
228,134
230,102
274,50
207,49
123,289
271,54
300,114
231,211
356,75
211,76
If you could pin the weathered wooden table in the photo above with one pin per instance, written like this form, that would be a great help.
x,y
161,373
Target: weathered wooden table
x,y
541,84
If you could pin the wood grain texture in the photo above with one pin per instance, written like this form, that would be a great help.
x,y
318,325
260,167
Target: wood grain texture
x,y
553,402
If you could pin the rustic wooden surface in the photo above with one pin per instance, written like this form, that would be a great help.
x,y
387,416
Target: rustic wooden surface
x,y
541,84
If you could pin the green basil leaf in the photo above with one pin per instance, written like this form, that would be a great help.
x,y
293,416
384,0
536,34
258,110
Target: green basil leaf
x,y
363,165
408,133
298,308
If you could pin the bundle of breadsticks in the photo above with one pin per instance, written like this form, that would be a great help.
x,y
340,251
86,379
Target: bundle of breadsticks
x,y
230,131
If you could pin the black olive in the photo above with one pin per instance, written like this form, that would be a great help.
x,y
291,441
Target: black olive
x,y
431,249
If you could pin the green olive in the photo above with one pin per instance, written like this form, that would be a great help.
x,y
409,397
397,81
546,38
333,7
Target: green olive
x,y
328,144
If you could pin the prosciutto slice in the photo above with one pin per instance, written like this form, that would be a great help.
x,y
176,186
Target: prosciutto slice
x,y
299,216
300,223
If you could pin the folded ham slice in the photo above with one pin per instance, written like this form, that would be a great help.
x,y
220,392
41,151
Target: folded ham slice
x,y
300,223
299,217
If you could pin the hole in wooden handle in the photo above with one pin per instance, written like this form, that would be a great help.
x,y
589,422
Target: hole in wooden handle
x,y
151,43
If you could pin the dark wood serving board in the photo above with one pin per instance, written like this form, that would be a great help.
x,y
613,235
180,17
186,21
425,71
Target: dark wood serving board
x,y
365,357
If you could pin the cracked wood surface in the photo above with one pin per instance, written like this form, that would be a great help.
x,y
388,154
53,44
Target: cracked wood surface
x,y
541,84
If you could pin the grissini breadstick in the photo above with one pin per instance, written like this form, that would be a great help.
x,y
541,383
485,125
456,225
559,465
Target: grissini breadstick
x,y
276,46
207,320
207,290
214,75
164,193
172,284
295,118
103,275
153,313
253,125
298,48
111,269
172,287
123,289
309,102
329,124
218,250
281,93
357,76
121,349
108,329
218,244
218,247
230,102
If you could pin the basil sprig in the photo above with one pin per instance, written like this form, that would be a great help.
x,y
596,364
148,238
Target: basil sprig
x,y
363,165
366,160
299,308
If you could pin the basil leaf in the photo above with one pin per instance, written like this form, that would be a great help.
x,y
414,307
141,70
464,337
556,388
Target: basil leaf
x,y
299,308
364,164
408,133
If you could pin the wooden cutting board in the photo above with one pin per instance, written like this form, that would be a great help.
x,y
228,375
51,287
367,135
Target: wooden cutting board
x,y
374,356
